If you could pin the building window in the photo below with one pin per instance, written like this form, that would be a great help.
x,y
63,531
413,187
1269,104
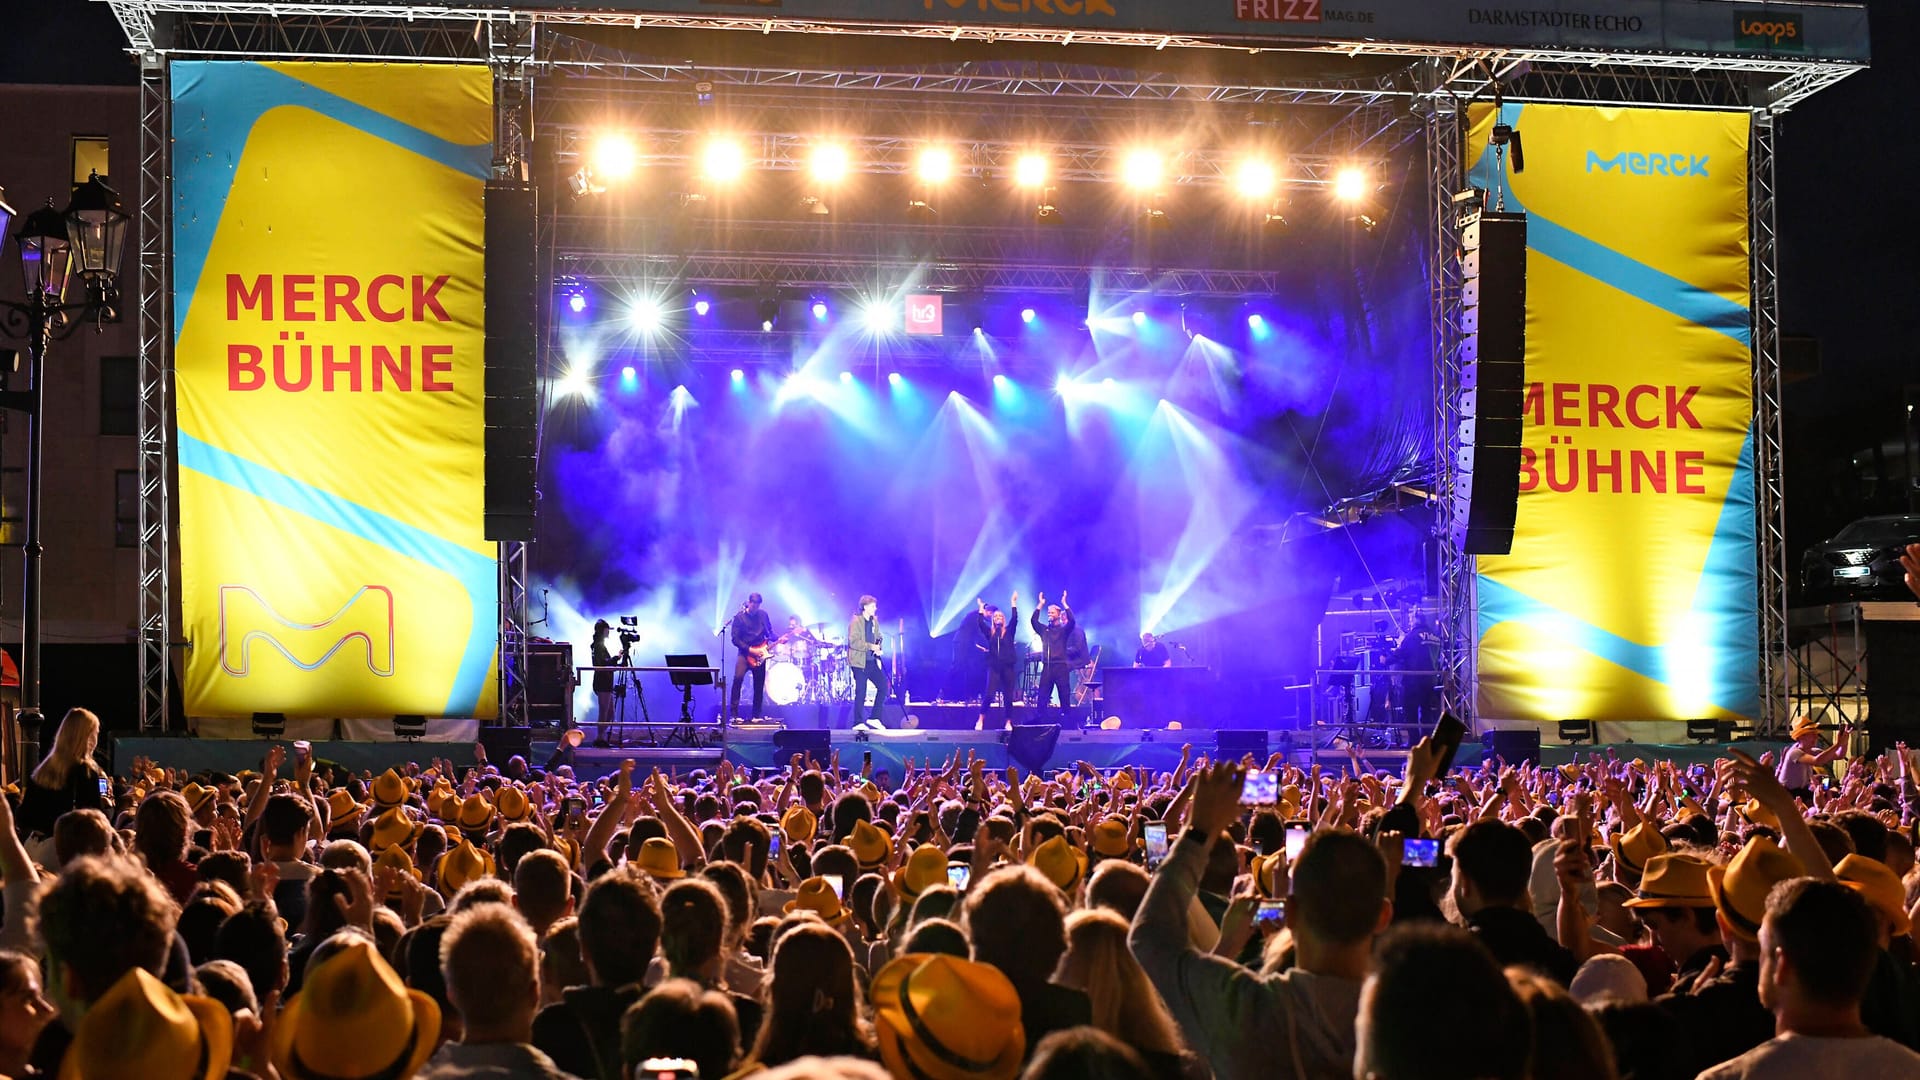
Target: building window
x,y
119,395
13,507
126,508
89,157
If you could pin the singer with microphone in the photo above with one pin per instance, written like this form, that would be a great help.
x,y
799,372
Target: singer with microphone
x,y
1152,653
863,656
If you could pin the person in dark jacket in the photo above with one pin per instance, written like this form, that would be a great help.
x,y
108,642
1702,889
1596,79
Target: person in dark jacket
x,y
1016,921
1002,651
1056,642
66,779
1492,863
619,930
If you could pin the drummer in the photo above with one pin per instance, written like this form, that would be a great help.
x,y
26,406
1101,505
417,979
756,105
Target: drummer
x,y
797,631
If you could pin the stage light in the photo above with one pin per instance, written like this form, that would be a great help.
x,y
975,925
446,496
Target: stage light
x,y
723,161
766,326
645,315
1142,170
1107,383
894,379
1001,382
846,376
769,312
629,378
820,310
1063,383
577,302
1139,318
830,163
1027,315
1030,170
739,376
978,332
936,165
613,157
574,382
878,315
701,307
1256,323
1256,179
1350,185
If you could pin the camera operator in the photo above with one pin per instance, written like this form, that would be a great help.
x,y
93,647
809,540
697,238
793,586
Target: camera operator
x,y
604,657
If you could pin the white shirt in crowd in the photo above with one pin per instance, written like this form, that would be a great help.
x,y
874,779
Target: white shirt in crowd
x,y
1806,1057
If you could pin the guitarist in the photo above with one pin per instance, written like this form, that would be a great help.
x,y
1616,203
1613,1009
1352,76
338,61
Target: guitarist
x,y
863,656
752,632
1058,640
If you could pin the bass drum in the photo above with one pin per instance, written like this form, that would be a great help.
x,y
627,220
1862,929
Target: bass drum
x,y
784,682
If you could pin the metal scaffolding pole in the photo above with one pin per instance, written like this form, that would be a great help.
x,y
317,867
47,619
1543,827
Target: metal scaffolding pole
x,y
154,306
510,53
1770,499
1446,174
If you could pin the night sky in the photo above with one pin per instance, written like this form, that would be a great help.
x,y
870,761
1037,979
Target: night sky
x,y
1849,238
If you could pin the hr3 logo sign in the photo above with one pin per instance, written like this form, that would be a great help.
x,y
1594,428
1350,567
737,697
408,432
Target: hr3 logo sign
x,y
1775,31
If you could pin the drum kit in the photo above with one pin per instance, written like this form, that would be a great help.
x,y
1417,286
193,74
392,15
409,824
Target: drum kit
x,y
807,669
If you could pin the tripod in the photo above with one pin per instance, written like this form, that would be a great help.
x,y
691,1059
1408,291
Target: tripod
x,y
621,681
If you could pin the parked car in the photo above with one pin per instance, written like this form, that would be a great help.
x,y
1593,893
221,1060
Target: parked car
x,y
1862,561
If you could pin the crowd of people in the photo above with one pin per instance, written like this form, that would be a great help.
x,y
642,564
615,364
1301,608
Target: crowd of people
x,y
1607,918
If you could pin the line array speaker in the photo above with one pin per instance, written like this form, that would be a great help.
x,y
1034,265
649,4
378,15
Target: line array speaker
x,y
1493,376
512,387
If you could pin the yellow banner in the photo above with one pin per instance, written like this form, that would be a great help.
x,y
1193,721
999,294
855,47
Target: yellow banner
x,y
1630,592
329,319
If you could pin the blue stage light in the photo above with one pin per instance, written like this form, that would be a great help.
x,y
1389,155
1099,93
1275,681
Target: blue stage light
x,y
646,315
1139,318
820,310
629,379
1107,382
1255,322
846,376
577,302
893,378
1027,315
701,307
766,326
1001,382
739,376
879,316
1063,384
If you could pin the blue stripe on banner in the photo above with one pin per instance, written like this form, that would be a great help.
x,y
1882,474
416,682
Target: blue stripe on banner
x,y
476,573
1596,260
215,106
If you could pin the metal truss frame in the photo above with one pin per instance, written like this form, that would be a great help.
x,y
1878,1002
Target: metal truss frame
x,y
1446,175
156,382
1426,98
1769,480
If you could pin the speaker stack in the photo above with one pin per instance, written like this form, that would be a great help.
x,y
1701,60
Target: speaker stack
x,y
512,410
1493,379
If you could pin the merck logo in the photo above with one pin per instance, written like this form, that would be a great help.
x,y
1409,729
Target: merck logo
x,y
248,620
1636,164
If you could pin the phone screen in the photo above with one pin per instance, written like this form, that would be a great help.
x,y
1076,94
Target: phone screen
x,y
837,884
958,875
1156,844
106,788
1296,839
1262,788
1270,914
773,845
1415,851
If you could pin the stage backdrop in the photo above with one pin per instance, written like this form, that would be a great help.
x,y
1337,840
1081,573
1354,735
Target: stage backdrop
x,y
329,321
1630,593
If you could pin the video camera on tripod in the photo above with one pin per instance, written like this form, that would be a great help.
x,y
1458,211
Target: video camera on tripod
x,y
629,631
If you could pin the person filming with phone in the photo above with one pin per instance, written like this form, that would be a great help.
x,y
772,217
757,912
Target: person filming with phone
x,y
66,779
1295,1023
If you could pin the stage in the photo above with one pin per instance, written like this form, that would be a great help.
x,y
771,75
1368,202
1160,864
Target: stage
x,y
770,746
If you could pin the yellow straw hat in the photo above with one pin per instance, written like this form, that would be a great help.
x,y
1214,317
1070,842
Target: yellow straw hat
x,y
869,845
476,813
816,895
394,828
141,1030
1740,888
1877,882
943,1018
660,858
513,805
1059,862
1673,880
354,1019
1110,838
924,869
389,789
1640,844
463,863
799,823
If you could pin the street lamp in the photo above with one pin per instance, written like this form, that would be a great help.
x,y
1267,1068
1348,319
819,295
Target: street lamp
x,y
88,237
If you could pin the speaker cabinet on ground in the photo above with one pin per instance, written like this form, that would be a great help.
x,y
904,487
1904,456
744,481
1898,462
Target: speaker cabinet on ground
x,y
512,386
1493,349
1516,746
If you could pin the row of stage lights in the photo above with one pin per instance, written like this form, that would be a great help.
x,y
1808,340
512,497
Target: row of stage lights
x,y
649,316
578,382
614,159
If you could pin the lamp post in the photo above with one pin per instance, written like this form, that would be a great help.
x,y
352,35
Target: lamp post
x,y
54,245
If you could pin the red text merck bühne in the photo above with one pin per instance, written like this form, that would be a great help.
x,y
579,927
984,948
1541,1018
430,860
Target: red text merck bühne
x,y
293,365
1563,468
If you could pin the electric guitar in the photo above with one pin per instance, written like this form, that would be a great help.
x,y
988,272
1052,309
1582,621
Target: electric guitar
x,y
1085,690
758,654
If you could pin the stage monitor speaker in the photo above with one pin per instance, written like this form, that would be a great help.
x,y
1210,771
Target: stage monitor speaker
x,y
1492,397
512,383
1234,745
1031,745
504,742
1516,746
817,743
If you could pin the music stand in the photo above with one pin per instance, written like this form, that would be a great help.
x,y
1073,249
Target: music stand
x,y
690,670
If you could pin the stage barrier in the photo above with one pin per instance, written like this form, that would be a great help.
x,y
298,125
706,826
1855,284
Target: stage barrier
x,y
329,320
1630,593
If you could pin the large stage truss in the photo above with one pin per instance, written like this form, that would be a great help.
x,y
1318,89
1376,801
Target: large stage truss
x,y
1375,94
